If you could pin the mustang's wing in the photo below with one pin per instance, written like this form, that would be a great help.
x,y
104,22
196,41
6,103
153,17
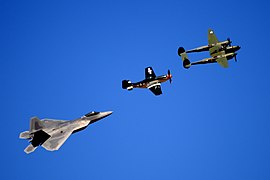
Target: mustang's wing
x,y
156,89
149,73
56,140
212,39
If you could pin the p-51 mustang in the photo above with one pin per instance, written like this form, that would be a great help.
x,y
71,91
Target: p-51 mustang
x,y
151,81
51,134
220,52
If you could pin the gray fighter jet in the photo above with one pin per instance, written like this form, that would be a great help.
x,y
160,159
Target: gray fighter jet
x,y
51,134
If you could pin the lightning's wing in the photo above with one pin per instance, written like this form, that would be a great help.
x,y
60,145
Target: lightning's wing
x,y
56,140
220,57
149,73
223,62
212,39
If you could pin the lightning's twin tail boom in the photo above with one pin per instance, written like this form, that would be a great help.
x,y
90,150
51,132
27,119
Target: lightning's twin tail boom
x,y
182,53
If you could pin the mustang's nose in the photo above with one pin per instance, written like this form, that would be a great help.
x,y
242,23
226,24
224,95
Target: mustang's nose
x,y
237,48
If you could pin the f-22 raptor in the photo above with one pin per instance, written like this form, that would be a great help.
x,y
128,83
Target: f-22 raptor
x,y
151,81
51,134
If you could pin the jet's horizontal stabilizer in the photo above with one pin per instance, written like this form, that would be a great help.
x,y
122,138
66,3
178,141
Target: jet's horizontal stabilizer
x,y
25,135
30,149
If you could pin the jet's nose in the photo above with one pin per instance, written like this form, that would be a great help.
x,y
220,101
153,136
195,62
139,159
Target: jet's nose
x,y
100,116
104,114
107,113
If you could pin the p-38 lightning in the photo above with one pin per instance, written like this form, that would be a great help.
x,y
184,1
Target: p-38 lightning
x,y
51,134
151,81
220,52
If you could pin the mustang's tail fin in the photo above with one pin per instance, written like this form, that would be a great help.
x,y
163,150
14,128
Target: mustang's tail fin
x,y
126,84
182,53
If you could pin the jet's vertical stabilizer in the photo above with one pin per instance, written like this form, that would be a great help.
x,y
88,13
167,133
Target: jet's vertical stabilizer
x,y
35,124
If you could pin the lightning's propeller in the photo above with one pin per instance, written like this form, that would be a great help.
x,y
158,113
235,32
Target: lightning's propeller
x,y
229,42
235,59
169,75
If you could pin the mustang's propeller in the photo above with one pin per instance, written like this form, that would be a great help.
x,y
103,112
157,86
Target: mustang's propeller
x,y
229,42
235,59
169,75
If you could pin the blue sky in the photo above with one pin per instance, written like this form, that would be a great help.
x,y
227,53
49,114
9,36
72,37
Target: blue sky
x,y
64,59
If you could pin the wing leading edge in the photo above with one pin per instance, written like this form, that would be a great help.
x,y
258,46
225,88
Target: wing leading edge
x,y
212,39
56,140
156,89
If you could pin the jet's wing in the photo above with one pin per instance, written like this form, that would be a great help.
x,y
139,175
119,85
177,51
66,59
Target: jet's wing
x,y
149,73
56,140
156,89
212,39
52,122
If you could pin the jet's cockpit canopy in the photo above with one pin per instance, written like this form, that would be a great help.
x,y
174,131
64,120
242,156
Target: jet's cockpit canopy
x,y
91,114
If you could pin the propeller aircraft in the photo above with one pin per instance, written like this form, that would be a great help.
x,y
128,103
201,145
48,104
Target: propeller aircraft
x,y
220,52
151,81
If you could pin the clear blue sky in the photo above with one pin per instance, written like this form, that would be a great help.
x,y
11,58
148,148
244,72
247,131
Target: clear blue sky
x,y
62,59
